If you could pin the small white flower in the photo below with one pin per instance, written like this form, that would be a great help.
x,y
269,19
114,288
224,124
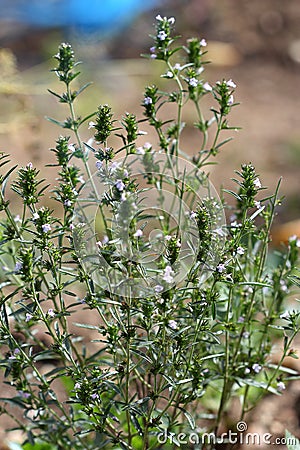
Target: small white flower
x,y
193,215
171,20
72,226
28,317
72,148
240,250
231,100
257,183
203,43
173,324
138,233
77,386
256,368
99,165
246,334
29,165
207,87
153,56
177,66
168,275
123,197
147,101
168,237
221,268
120,185
18,266
46,228
231,84
67,202
162,35
18,218
280,386
51,313
140,151
285,315
193,82
158,17
35,216
247,371
81,179
169,74
91,124
257,204
158,288
147,146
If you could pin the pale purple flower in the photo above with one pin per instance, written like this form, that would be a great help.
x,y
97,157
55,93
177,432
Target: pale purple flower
x,y
231,100
246,334
51,313
158,288
94,396
28,317
72,148
172,324
147,146
147,101
46,228
240,250
140,151
120,185
29,165
207,87
72,226
231,84
99,165
203,43
193,82
257,183
138,233
256,368
241,319
77,385
18,266
23,394
162,35
152,49
280,386
67,202
168,275
221,268
193,215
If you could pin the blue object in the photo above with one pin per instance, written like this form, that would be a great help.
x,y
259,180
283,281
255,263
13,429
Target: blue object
x,y
87,15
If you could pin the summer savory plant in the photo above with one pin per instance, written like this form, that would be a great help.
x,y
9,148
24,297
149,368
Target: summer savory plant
x,y
136,315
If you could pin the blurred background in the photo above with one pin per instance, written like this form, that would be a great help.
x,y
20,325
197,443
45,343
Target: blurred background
x,y
256,43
